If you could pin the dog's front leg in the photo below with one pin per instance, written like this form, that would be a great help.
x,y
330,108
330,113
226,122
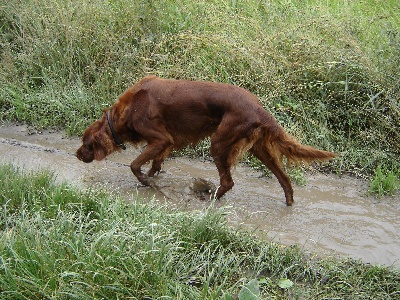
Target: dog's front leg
x,y
136,165
152,151
157,162
137,171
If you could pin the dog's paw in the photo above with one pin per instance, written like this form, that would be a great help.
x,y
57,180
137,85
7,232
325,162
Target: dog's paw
x,y
145,180
153,172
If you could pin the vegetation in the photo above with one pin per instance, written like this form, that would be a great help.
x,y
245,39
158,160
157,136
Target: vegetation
x,y
384,182
328,70
57,242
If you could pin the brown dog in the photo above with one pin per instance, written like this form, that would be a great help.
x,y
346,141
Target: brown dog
x,y
171,114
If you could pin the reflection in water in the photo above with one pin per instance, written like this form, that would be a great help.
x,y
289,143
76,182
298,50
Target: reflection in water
x,y
331,215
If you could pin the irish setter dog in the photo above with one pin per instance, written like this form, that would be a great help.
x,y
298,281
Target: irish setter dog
x,y
172,114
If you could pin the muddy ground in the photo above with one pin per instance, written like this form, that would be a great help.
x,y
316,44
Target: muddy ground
x,y
331,216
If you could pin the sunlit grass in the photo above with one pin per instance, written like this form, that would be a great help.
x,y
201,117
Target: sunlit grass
x,y
384,182
61,243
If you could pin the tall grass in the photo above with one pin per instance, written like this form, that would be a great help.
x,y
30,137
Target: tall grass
x,y
329,71
384,182
57,242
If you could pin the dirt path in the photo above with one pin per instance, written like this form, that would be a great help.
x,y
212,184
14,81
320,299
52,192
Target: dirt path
x,y
331,215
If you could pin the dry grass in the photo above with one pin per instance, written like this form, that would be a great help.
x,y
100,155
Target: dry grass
x,y
329,72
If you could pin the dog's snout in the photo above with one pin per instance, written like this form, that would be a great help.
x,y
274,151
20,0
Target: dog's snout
x,y
84,155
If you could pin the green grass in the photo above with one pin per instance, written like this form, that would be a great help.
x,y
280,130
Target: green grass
x,y
328,70
57,242
384,182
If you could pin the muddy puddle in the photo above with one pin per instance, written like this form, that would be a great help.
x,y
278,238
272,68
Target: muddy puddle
x,y
331,215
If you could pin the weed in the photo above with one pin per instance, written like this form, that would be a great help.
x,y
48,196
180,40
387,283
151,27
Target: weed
x,y
384,182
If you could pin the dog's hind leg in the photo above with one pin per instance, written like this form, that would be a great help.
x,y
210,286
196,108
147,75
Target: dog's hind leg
x,y
270,162
226,181
225,150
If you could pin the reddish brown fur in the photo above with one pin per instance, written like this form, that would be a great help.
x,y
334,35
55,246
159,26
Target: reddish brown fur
x,y
171,114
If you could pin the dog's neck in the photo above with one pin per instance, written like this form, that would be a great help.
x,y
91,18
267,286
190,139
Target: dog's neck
x,y
116,139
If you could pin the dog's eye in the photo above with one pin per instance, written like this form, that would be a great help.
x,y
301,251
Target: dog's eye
x,y
89,146
88,143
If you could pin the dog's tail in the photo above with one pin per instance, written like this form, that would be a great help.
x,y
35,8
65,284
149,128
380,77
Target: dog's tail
x,y
279,144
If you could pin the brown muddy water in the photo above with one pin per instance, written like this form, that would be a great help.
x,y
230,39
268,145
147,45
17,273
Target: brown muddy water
x,y
331,216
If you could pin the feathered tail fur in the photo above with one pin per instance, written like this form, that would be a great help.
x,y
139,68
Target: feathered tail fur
x,y
279,144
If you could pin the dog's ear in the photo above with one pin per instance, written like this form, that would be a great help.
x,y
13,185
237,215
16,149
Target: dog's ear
x,y
98,145
99,153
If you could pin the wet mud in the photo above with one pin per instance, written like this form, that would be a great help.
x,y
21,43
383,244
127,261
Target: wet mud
x,y
331,216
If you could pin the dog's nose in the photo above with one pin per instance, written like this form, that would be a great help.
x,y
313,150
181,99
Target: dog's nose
x,y
84,155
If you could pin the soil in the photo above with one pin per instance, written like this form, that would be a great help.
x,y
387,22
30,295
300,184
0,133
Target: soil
x,y
332,215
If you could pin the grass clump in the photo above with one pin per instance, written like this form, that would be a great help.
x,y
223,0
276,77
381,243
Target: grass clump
x,y
60,243
329,72
384,182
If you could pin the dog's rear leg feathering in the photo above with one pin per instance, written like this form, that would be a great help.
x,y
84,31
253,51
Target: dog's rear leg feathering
x,y
276,143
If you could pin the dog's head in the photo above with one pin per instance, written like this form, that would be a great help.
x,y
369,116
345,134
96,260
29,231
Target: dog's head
x,y
97,142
